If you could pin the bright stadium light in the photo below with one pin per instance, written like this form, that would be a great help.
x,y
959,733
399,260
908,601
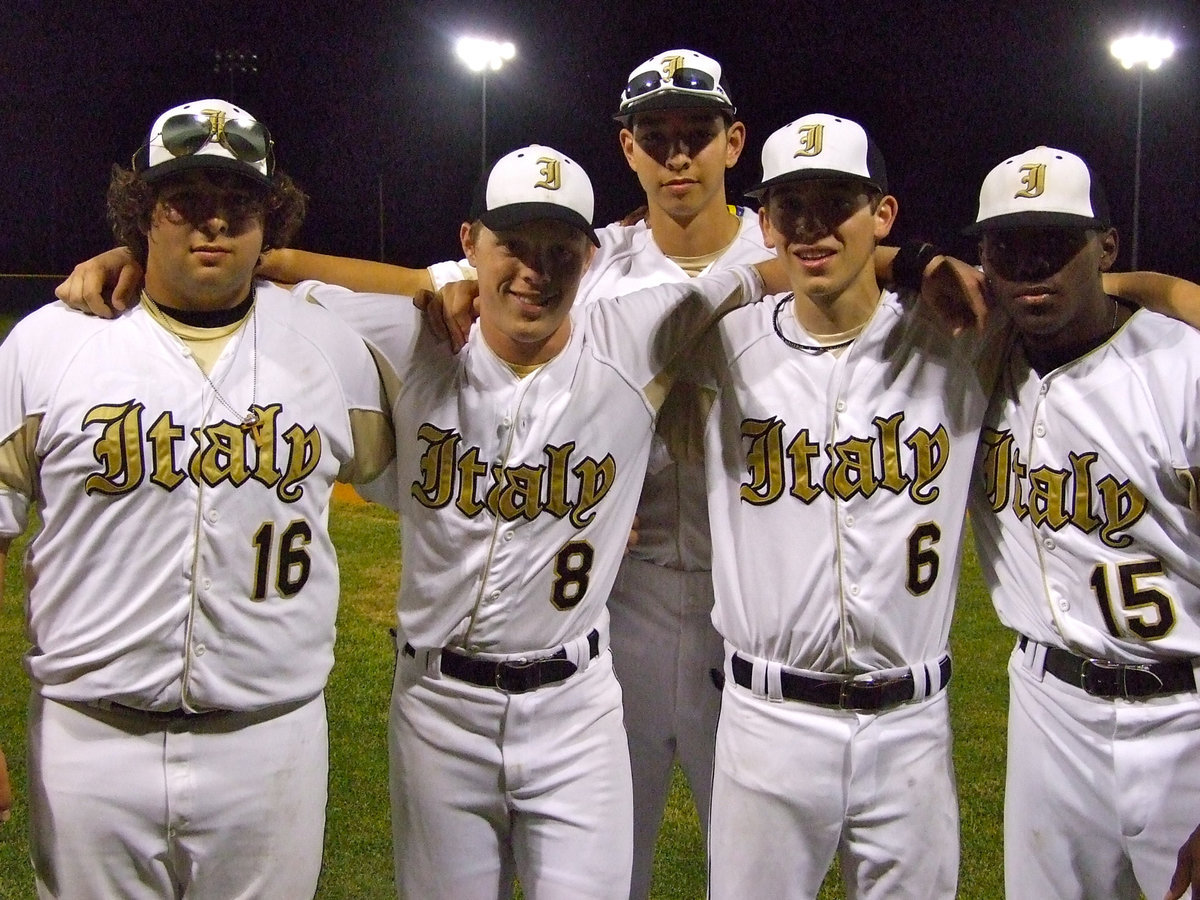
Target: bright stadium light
x,y
1142,49
1145,52
483,55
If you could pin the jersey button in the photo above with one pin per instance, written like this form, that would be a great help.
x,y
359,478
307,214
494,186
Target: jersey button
x,y
494,595
201,649
1040,430
207,584
213,515
508,535
841,406
507,422
1049,544
849,520
854,590
1064,604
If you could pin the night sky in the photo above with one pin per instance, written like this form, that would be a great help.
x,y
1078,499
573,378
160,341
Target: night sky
x,y
359,93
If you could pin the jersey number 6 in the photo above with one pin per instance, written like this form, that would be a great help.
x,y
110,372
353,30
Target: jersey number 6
x,y
923,561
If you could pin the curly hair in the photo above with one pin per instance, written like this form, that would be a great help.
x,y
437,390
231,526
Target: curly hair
x,y
131,203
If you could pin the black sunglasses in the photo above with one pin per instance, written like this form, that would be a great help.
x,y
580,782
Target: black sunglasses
x,y
185,134
688,79
247,140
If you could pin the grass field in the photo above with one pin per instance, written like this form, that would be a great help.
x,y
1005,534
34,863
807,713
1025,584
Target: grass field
x,y
357,845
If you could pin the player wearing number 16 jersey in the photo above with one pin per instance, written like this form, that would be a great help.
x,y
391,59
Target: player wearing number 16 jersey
x,y
1087,516
183,587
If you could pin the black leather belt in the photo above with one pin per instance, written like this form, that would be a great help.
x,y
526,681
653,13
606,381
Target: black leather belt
x,y
152,715
512,676
1102,678
861,694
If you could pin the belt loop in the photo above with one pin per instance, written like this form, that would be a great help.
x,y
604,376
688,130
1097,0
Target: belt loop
x,y
923,684
579,652
774,682
1034,659
758,677
433,663
939,674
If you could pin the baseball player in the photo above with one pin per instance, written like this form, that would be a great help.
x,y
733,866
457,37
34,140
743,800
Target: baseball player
x,y
183,585
679,135
839,450
522,458
1087,519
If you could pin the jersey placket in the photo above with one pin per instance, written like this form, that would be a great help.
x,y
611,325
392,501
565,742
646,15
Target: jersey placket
x,y
1044,543
207,518
841,389
501,573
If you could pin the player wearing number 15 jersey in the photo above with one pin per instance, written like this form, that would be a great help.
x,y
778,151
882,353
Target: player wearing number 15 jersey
x,y
1087,516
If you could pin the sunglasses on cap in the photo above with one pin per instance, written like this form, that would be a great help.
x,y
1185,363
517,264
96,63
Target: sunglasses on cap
x,y
652,80
248,140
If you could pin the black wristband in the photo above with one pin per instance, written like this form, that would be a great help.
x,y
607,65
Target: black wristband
x,y
908,268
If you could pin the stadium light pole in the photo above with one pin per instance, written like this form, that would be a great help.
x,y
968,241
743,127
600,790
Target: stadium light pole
x,y
484,55
1144,52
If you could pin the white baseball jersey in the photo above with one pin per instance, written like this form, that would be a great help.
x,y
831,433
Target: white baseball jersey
x,y
1086,507
1087,519
517,493
838,484
673,512
179,563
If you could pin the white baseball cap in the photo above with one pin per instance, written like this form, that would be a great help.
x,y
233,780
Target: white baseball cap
x,y
211,134
535,182
1042,187
820,146
676,79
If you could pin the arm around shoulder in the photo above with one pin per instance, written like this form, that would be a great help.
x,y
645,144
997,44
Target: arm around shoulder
x,y
1166,294
290,266
104,285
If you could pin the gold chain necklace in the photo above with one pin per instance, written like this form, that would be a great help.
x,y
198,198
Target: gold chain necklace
x,y
250,422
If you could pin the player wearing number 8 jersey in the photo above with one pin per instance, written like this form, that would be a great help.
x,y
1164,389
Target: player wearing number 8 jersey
x,y
521,465
183,587
1087,516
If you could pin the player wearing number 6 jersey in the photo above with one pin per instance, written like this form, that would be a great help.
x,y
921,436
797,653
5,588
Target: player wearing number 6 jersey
x,y
839,451
183,586
1087,516
521,465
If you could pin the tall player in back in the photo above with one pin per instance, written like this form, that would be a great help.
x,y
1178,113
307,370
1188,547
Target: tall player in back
x,y
1087,516
679,135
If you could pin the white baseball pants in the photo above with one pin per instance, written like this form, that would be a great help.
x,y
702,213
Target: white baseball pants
x,y
227,806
